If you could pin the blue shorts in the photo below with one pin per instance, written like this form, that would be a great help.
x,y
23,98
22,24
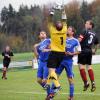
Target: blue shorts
x,y
42,70
68,66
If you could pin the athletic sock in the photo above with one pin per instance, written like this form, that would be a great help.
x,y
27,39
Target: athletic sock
x,y
71,90
91,75
83,75
4,74
52,86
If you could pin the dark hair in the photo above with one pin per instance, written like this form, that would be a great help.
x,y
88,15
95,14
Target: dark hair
x,y
91,23
73,29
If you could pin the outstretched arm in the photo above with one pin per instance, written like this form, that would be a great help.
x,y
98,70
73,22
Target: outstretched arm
x,y
35,50
64,17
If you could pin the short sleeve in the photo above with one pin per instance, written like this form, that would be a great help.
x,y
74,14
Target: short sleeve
x,y
78,46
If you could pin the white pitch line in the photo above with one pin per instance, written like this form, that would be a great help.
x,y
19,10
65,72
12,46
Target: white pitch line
x,y
43,93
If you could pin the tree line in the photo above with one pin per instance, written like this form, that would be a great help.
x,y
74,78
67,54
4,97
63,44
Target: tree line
x,y
20,29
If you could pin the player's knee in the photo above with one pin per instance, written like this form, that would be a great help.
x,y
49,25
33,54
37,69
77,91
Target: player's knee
x,y
81,66
89,67
4,69
71,81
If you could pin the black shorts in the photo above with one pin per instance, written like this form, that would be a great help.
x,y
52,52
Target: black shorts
x,y
85,57
6,63
55,59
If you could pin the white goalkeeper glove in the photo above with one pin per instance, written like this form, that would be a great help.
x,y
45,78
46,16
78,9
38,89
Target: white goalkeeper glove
x,y
64,17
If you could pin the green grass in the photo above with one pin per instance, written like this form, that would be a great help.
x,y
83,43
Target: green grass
x,y
20,56
98,52
22,85
23,56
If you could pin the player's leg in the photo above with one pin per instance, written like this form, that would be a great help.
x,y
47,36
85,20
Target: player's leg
x,y
52,64
5,67
91,73
59,70
71,88
69,72
45,74
4,73
52,77
81,63
40,73
53,89
91,76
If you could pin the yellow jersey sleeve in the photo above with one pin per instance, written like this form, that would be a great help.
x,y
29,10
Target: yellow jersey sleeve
x,y
58,38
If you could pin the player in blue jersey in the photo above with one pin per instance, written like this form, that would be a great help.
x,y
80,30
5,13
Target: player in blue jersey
x,y
41,51
72,48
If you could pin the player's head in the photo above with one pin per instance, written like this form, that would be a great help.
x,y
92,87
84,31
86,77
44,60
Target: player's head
x,y
89,24
42,35
7,48
59,25
71,31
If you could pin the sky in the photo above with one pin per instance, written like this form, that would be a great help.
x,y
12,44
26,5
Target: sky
x,y
17,3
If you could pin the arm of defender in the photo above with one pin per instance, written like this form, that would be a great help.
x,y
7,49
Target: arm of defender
x,y
35,50
47,50
77,50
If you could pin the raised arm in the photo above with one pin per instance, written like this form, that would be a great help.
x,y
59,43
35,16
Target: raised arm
x,y
35,50
63,17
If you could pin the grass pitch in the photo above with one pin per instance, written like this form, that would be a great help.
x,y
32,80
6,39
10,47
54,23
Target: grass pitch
x,y
21,85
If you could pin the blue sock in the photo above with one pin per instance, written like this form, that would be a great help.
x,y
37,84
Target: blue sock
x,y
71,90
52,88
48,90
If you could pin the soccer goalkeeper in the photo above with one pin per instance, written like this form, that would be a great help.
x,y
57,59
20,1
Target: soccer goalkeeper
x,y
58,42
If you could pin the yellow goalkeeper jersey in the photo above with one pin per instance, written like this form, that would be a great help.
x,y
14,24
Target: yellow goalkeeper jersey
x,y
58,38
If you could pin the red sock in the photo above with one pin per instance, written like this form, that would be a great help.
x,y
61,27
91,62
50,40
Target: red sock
x,y
91,75
4,74
83,75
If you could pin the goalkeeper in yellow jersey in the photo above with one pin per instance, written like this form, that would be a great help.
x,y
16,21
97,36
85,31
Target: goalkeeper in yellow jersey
x,y
58,42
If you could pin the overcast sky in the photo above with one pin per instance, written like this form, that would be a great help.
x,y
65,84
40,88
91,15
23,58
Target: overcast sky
x,y
17,3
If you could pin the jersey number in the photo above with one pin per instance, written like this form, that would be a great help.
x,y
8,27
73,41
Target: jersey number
x,y
61,39
90,39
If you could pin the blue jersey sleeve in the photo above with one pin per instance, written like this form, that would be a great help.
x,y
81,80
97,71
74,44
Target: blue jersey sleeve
x,y
45,44
77,45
